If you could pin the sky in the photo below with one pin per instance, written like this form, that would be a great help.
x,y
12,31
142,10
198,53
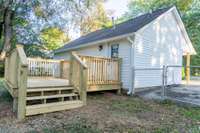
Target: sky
x,y
117,6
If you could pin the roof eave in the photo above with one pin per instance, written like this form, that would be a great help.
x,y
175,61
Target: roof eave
x,y
96,42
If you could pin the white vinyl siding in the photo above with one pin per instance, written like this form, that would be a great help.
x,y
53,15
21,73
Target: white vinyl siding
x,y
124,53
156,45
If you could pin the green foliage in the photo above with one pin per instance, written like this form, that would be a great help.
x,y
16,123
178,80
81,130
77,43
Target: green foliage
x,y
36,51
53,38
189,11
97,18
4,94
183,73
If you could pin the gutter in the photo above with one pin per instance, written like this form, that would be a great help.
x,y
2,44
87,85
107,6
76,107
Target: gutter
x,y
97,42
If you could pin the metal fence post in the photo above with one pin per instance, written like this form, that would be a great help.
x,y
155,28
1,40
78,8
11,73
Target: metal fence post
x,y
133,80
163,82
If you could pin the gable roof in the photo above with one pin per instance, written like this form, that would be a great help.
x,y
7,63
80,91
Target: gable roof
x,y
127,27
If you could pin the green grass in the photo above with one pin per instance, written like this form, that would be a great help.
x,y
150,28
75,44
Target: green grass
x,y
188,112
81,126
131,105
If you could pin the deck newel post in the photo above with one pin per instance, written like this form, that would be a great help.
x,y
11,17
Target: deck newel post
x,y
84,84
22,82
119,75
71,69
188,68
61,68
22,88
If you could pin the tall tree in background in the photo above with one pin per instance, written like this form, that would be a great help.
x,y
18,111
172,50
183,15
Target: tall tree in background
x,y
53,38
24,20
95,19
189,11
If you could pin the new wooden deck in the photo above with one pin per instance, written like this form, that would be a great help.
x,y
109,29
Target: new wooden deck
x,y
42,85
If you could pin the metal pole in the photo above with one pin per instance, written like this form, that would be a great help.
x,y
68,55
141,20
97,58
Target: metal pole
x,y
163,82
133,80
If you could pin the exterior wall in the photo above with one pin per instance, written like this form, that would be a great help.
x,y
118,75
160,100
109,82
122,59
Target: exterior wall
x,y
64,55
124,53
157,44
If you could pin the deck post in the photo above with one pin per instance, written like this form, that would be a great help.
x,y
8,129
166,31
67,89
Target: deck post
x,y
188,68
61,68
22,82
22,90
84,84
15,103
71,69
119,75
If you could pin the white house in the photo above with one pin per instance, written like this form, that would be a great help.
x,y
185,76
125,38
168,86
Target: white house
x,y
147,41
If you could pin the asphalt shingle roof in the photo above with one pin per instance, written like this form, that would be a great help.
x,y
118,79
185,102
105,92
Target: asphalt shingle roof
x,y
127,27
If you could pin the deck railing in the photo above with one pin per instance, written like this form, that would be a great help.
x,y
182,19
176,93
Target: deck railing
x,y
79,76
102,70
48,68
16,69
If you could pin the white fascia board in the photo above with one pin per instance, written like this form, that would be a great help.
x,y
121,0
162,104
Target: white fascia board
x,y
184,32
98,42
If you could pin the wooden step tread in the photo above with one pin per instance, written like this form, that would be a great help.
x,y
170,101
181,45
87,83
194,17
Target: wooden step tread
x,y
38,87
52,107
51,96
49,89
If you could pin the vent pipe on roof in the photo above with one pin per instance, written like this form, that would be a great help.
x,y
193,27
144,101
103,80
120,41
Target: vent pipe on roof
x,y
113,22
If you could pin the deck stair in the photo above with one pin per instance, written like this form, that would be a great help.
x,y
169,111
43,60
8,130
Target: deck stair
x,y
41,100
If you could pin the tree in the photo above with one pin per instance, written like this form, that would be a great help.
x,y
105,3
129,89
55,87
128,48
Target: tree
x,y
189,11
95,19
53,38
23,20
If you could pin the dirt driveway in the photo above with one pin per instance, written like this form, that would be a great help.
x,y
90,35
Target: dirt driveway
x,y
105,112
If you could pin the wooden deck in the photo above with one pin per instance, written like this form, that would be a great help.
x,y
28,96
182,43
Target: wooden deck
x,y
46,82
44,85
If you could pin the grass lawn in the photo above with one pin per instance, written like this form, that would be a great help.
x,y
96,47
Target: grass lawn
x,y
105,112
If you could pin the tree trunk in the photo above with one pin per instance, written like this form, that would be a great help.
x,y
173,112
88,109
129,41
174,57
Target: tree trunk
x,y
8,16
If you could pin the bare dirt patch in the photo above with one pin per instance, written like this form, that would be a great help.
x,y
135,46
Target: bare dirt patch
x,y
105,112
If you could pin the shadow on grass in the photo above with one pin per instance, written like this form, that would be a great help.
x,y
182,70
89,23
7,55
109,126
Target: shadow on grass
x,y
4,94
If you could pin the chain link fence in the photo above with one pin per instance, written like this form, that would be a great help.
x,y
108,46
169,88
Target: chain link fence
x,y
169,82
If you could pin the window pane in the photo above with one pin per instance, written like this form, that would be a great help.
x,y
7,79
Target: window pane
x,y
114,50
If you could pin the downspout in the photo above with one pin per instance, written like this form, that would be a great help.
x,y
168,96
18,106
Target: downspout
x,y
131,90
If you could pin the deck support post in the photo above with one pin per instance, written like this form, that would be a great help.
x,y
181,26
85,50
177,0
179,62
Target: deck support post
x,y
61,69
71,69
188,68
22,90
15,103
22,72
84,84
119,75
